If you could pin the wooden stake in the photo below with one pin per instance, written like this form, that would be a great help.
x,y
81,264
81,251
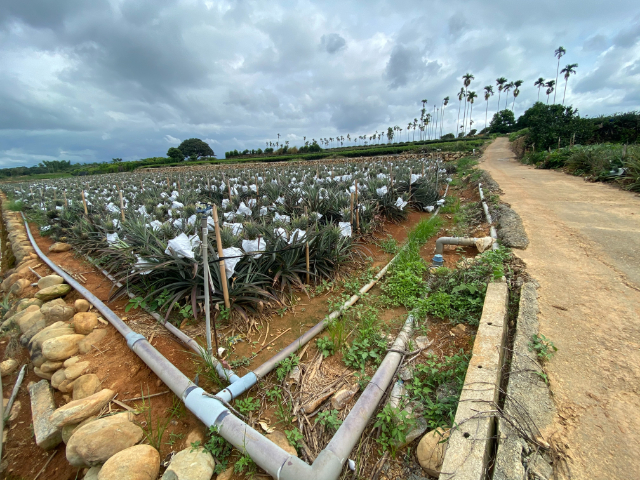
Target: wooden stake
x,y
257,188
229,188
223,271
168,184
351,209
121,204
66,202
179,191
84,202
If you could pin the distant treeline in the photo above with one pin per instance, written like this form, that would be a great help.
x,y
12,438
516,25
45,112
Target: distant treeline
x,y
62,168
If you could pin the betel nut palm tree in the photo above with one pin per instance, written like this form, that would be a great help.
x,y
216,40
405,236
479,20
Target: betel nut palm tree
x,y
500,82
560,51
466,80
517,84
539,83
569,70
550,88
488,91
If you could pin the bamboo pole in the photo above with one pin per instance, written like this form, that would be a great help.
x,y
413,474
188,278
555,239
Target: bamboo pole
x,y
410,174
84,202
223,271
229,188
66,202
168,184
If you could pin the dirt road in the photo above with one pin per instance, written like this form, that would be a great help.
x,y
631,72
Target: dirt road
x,y
585,253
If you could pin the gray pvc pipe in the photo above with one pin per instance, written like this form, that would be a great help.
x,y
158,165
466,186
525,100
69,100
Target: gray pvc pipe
x,y
224,373
485,207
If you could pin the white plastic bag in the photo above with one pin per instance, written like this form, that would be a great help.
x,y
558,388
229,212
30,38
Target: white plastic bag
x,y
112,238
257,245
236,228
243,209
281,232
230,263
175,204
297,235
282,218
382,191
183,246
141,264
155,225
345,229
401,203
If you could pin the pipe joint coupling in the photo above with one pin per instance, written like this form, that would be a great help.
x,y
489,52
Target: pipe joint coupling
x,y
133,337
438,260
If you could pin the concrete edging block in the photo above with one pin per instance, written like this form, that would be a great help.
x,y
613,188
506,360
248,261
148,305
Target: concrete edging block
x,y
471,438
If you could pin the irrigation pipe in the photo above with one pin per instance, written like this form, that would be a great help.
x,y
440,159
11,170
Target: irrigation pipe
x,y
485,207
213,412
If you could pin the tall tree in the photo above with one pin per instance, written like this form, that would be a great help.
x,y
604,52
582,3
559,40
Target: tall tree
x,y
506,89
460,95
500,82
488,91
539,83
195,146
445,102
517,84
568,71
471,97
550,88
466,79
560,51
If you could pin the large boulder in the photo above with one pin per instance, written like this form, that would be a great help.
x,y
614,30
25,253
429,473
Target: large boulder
x,y
78,410
30,320
50,367
19,287
50,281
75,370
190,464
94,338
8,366
280,439
69,430
61,348
140,462
81,305
60,247
85,322
431,450
15,318
97,441
57,311
55,330
85,386
53,292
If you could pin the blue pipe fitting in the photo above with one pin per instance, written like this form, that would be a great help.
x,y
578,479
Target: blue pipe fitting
x,y
132,338
438,260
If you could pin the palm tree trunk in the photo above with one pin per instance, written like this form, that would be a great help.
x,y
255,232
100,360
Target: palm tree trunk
x,y
514,103
442,117
458,122
486,114
499,93
464,116
566,80
557,70
538,93
470,113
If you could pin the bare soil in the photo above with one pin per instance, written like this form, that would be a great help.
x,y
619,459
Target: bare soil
x,y
585,254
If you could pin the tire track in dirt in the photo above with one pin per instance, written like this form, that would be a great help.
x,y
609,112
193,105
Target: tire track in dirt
x,y
585,254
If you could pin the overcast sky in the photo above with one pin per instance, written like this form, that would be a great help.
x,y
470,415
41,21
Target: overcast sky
x,y
89,80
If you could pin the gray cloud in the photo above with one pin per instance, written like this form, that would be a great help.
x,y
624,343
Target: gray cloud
x,y
90,81
332,42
